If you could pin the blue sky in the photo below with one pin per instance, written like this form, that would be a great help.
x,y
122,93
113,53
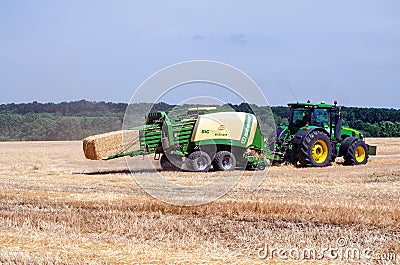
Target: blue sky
x,y
103,50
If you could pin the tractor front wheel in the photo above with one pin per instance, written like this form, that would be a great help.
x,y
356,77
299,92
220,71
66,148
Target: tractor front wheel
x,y
357,154
315,150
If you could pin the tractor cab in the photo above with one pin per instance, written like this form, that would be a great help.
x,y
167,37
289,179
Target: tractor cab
x,y
309,117
304,116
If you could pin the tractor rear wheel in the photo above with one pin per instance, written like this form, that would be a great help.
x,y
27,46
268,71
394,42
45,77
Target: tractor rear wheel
x,y
315,150
198,161
357,154
224,160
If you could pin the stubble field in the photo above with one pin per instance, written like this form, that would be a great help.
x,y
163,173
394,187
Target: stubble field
x,y
56,207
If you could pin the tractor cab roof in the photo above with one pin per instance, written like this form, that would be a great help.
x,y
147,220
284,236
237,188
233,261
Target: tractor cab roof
x,y
307,104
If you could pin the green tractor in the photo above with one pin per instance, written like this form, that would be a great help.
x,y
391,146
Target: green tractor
x,y
315,136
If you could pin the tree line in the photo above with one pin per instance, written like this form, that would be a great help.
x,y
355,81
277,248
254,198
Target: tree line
x,y
79,119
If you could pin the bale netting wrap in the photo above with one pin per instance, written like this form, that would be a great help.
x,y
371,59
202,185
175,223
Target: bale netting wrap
x,y
101,146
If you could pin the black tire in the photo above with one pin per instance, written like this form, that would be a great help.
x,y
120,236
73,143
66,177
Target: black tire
x,y
315,150
224,160
261,166
344,147
166,164
198,161
357,154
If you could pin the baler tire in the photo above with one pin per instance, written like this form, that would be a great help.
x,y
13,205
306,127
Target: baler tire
x,y
316,145
198,161
357,154
224,160
261,166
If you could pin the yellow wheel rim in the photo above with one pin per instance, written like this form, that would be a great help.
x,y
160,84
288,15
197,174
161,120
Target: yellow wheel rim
x,y
319,151
360,154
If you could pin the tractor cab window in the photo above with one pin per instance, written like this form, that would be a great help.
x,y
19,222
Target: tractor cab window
x,y
320,118
301,117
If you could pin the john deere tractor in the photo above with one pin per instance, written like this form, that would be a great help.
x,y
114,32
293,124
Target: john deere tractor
x,y
315,136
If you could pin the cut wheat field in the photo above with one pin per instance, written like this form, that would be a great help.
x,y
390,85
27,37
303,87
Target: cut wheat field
x,y
56,207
